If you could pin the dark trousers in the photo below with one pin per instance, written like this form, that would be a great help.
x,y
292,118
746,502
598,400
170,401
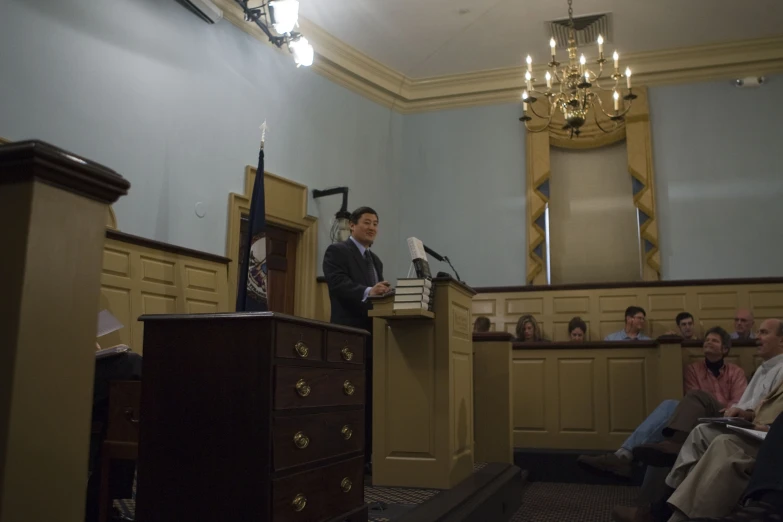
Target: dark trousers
x,y
768,473
694,405
124,367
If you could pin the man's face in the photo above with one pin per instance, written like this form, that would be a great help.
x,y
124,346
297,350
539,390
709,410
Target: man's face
x,y
769,341
686,327
743,322
713,348
637,321
365,230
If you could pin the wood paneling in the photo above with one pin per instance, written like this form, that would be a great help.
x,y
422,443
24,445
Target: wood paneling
x,y
712,303
146,277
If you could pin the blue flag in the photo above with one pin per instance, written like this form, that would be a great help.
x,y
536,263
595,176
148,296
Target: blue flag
x,y
252,286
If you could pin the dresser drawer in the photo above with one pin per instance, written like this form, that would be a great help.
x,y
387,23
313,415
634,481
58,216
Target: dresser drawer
x,y
305,387
294,341
320,494
307,438
345,348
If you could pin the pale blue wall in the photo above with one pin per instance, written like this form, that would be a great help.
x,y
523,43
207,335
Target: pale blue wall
x,y
463,191
174,105
718,159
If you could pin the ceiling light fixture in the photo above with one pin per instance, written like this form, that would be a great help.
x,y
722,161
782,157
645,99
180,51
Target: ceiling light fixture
x,y
578,91
278,19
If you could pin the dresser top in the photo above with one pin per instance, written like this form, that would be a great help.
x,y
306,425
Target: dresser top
x,y
251,316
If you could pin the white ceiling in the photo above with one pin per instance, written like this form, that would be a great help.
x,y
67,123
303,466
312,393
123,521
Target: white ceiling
x,y
424,38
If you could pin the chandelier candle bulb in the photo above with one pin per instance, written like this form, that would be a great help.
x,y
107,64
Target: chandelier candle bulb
x,y
548,80
582,62
600,46
524,103
587,76
616,58
529,61
616,97
528,79
552,45
628,77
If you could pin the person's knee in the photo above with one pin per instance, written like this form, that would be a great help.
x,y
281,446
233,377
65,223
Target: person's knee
x,y
669,404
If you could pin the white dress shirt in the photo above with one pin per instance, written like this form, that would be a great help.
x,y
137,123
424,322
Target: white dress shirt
x,y
766,379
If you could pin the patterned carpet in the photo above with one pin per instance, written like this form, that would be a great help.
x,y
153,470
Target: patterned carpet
x,y
558,502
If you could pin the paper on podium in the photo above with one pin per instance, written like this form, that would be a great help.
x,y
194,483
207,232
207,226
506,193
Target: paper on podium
x,y
107,323
416,248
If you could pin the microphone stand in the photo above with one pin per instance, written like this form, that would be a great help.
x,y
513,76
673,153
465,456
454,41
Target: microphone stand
x,y
446,258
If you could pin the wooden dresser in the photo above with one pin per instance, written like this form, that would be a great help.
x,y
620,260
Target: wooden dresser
x,y
251,417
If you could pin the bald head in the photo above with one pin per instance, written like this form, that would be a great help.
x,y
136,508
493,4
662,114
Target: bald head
x,y
770,338
743,323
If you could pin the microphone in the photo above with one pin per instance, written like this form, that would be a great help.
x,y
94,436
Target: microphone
x,y
433,253
441,259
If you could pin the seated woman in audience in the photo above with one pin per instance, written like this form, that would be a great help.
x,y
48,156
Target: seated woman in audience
x,y
481,324
577,330
527,330
710,385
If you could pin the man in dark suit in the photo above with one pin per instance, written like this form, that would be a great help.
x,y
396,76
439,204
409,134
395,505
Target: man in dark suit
x,y
354,273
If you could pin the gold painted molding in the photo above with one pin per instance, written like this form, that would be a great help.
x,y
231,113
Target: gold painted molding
x,y
286,206
346,66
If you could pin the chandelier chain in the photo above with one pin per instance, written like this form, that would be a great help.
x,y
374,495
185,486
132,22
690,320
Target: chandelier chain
x,y
570,14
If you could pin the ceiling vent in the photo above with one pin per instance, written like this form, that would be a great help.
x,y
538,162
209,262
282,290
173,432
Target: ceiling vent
x,y
587,29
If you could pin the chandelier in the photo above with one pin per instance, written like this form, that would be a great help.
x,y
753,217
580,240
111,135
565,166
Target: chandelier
x,y
278,19
578,91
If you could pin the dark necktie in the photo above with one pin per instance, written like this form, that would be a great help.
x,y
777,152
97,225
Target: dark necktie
x,y
370,269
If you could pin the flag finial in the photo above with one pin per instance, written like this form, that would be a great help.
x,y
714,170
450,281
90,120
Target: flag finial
x,y
263,133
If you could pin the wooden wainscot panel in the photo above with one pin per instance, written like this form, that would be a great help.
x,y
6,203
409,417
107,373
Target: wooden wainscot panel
x,y
142,276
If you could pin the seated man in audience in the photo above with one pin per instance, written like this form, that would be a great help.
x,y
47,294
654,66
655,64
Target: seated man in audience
x,y
481,324
715,464
743,325
121,367
767,378
762,500
577,330
685,326
635,317
723,383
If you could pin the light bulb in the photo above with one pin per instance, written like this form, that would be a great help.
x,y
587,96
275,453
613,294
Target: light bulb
x,y
628,77
524,101
552,44
600,45
302,51
548,80
529,61
616,58
284,15
582,59
616,97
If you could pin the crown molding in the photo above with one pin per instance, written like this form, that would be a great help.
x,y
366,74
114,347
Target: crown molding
x,y
345,66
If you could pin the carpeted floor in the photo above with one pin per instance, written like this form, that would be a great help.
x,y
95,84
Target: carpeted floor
x,y
557,502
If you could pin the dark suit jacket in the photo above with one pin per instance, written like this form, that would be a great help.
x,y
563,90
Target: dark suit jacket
x,y
346,275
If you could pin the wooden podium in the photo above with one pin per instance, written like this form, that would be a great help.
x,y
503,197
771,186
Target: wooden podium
x,y
423,390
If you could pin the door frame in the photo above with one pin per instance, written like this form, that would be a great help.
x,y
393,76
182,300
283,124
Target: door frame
x,y
286,207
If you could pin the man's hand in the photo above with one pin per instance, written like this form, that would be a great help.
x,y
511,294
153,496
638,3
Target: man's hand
x,y
761,427
737,412
380,289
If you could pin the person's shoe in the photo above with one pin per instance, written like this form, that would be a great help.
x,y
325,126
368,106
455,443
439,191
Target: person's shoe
x,y
607,463
661,455
631,514
755,511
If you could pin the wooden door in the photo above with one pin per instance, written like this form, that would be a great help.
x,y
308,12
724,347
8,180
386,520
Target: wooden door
x,y
281,247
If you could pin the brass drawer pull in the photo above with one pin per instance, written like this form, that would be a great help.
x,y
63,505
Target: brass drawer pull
x,y
345,485
347,432
302,388
302,350
301,440
299,503
346,353
349,388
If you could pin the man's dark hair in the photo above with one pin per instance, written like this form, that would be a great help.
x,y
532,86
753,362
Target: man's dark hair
x,y
633,310
575,323
481,324
681,317
357,214
725,338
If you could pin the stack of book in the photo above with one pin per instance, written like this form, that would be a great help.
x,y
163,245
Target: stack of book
x,y
414,294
